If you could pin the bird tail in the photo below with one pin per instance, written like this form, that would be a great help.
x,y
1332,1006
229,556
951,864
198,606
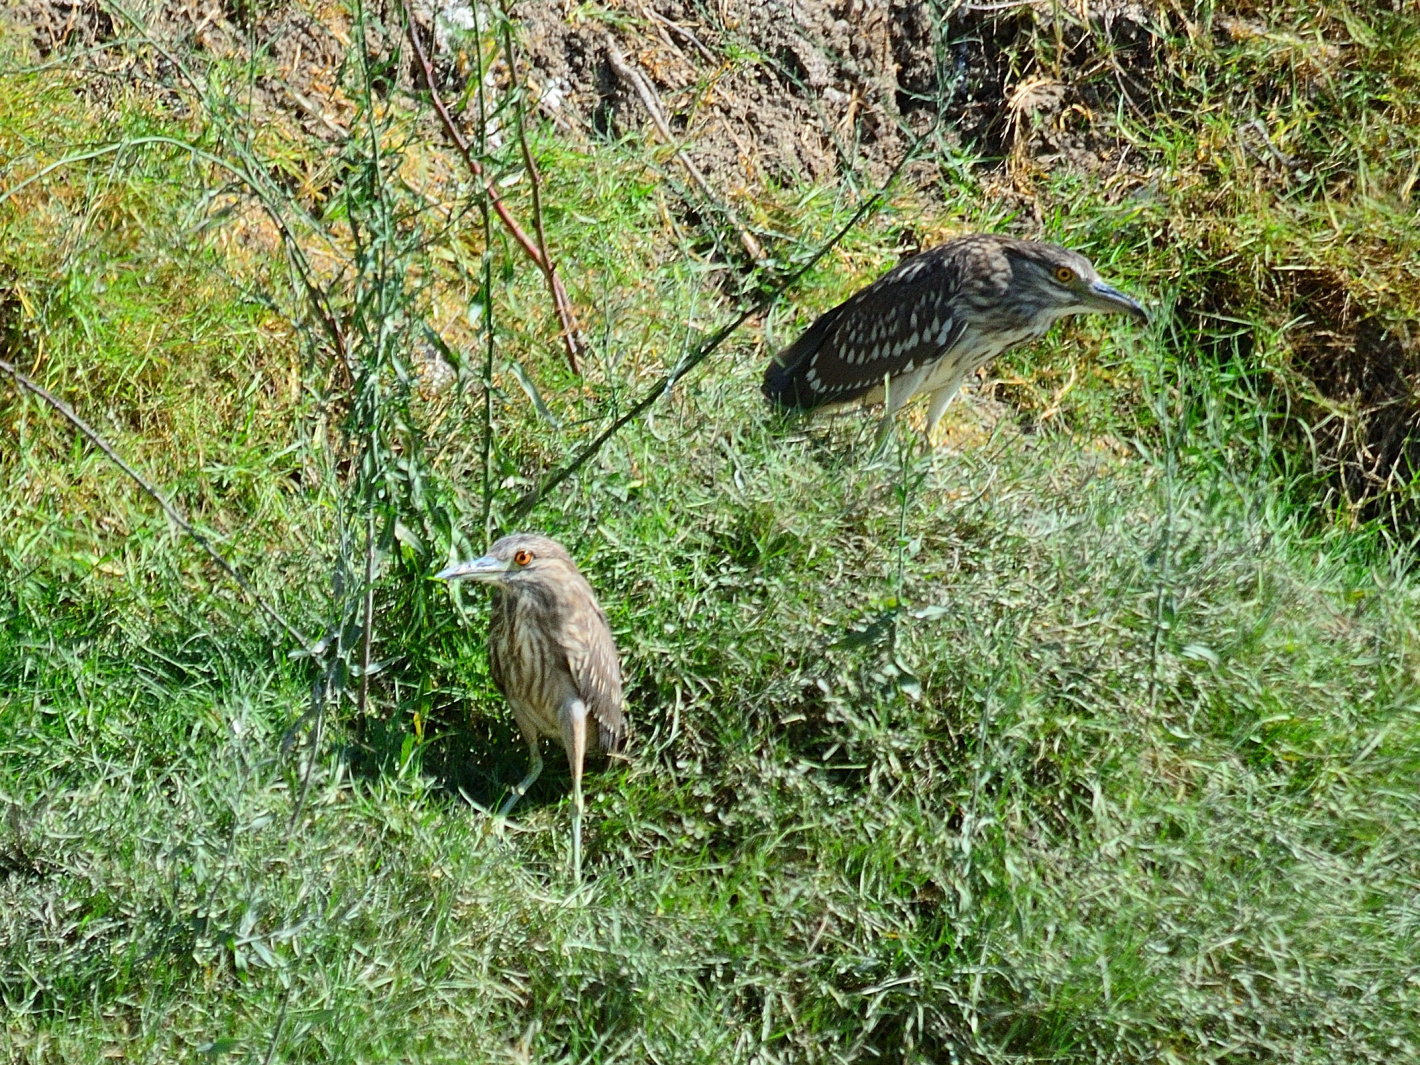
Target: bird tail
x,y
782,381
613,740
785,378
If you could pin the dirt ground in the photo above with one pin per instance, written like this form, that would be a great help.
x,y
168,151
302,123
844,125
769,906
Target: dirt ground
x,y
824,87
761,91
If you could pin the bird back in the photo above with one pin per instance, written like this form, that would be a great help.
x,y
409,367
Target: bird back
x,y
905,319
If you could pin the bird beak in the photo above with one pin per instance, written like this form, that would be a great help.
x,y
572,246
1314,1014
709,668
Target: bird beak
x,y
1107,298
486,568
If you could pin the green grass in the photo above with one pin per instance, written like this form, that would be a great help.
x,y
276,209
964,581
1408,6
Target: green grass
x,y
1090,735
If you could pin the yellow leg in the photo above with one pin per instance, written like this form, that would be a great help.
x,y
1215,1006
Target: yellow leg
x,y
534,769
896,394
940,399
573,719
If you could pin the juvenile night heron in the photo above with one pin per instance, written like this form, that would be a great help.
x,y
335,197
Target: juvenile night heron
x,y
933,320
552,657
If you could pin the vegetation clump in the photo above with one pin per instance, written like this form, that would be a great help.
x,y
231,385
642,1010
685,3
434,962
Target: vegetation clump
x,y
1087,735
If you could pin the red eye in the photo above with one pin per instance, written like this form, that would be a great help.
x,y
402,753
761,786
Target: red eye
x,y
522,558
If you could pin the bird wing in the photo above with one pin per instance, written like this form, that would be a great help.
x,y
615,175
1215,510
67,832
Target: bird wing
x,y
898,323
784,376
596,670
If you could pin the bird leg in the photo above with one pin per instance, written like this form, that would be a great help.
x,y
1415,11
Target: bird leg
x,y
940,399
534,769
896,392
573,720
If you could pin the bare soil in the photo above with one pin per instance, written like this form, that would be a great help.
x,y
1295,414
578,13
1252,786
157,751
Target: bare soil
x,y
761,92
818,87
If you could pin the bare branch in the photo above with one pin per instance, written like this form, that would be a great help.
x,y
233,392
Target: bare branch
x,y
565,315
643,88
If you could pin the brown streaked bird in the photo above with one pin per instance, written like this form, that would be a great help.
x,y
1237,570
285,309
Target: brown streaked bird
x,y
552,656
933,320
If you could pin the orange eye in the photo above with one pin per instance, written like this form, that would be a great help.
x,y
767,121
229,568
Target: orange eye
x,y
1064,275
522,558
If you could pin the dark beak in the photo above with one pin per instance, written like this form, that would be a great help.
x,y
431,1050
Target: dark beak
x,y
1109,300
486,568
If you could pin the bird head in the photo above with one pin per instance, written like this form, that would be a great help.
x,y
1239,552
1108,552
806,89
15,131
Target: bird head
x,y
512,561
1058,282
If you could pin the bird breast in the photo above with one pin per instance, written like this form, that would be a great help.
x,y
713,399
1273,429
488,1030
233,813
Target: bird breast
x,y
528,664
974,350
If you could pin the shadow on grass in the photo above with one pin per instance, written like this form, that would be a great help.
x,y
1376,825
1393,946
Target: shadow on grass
x,y
470,761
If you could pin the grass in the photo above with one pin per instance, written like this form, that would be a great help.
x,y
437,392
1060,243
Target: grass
x,y
1088,736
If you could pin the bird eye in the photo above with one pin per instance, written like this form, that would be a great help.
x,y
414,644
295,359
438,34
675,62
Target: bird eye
x,y
522,558
1064,275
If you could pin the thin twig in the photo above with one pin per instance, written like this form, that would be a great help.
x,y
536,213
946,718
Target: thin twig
x,y
656,16
367,634
316,715
324,310
311,108
487,388
92,435
489,338
537,494
280,1023
534,178
370,379
560,300
643,88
